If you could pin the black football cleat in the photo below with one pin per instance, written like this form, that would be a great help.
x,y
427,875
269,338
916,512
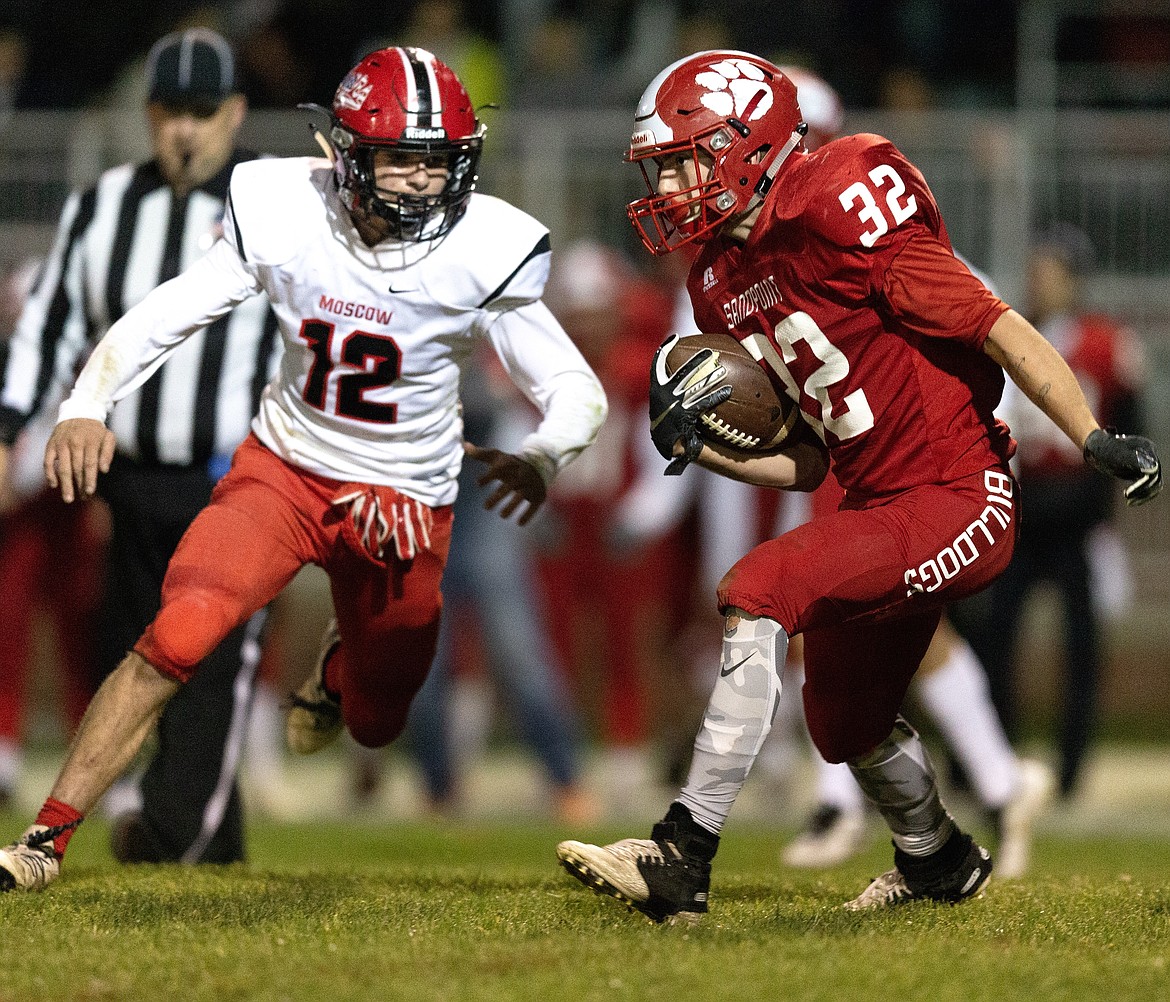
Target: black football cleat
x,y
666,877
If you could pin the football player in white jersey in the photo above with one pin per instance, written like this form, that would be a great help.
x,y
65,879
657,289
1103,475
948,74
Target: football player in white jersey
x,y
384,269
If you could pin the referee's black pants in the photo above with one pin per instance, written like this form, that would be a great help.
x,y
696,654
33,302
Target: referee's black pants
x,y
191,809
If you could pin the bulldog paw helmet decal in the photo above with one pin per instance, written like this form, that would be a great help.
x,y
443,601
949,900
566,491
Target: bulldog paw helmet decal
x,y
736,88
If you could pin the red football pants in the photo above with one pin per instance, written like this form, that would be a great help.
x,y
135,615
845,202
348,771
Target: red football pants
x,y
265,521
867,587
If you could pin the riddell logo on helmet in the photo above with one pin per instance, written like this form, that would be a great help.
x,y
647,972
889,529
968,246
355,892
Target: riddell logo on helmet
x,y
417,132
354,90
640,139
735,87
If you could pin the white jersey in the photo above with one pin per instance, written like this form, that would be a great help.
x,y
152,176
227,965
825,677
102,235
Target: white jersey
x,y
374,338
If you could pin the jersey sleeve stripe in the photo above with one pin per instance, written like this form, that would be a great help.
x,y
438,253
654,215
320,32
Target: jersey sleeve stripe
x,y
236,226
265,352
543,246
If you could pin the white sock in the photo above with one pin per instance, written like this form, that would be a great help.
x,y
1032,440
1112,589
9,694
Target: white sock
x,y
738,718
958,699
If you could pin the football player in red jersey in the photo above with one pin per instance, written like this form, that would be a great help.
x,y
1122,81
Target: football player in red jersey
x,y
835,271
951,686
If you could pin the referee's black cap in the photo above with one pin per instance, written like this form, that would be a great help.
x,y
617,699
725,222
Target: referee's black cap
x,y
191,68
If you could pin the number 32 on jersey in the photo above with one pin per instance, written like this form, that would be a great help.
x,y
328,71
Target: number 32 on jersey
x,y
870,212
845,418
851,415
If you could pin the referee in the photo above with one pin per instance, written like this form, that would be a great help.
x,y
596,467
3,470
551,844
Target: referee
x,y
137,227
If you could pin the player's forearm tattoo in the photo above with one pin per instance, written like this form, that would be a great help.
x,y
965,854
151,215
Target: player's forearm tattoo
x,y
1017,368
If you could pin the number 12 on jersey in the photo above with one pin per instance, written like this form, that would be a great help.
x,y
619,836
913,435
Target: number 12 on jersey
x,y
358,349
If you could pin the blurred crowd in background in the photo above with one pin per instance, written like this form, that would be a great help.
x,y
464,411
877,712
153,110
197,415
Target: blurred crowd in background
x,y
605,588
516,52
522,50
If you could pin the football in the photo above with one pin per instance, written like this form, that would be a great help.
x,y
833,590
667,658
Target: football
x,y
755,416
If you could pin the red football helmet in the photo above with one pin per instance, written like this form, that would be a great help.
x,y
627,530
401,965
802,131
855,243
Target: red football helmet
x,y
405,99
738,111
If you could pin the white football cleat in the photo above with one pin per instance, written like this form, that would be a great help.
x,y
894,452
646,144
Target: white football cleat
x,y
1017,820
666,877
29,864
883,892
314,716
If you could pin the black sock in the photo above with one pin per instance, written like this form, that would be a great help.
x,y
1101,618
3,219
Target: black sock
x,y
940,863
691,837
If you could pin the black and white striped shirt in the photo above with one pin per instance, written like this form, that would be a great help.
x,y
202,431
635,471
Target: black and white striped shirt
x,y
116,241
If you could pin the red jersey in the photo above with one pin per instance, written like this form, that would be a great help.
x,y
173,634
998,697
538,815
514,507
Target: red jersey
x,y
849,294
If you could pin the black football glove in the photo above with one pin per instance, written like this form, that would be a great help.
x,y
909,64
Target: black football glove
x,y
675,407
1127,457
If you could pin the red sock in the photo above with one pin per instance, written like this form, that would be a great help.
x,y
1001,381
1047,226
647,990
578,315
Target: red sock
x,y
56,813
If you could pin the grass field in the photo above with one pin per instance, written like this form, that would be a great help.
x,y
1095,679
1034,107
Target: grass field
x,y
414,911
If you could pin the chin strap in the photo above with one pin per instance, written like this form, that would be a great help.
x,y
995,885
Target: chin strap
x,y
327,147
765,183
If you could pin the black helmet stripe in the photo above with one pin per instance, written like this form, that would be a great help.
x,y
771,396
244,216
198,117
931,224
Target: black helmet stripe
x,y
426,91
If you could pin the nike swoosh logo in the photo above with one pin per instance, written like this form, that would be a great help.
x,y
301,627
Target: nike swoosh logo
x,y
398,292
724,672
662,417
